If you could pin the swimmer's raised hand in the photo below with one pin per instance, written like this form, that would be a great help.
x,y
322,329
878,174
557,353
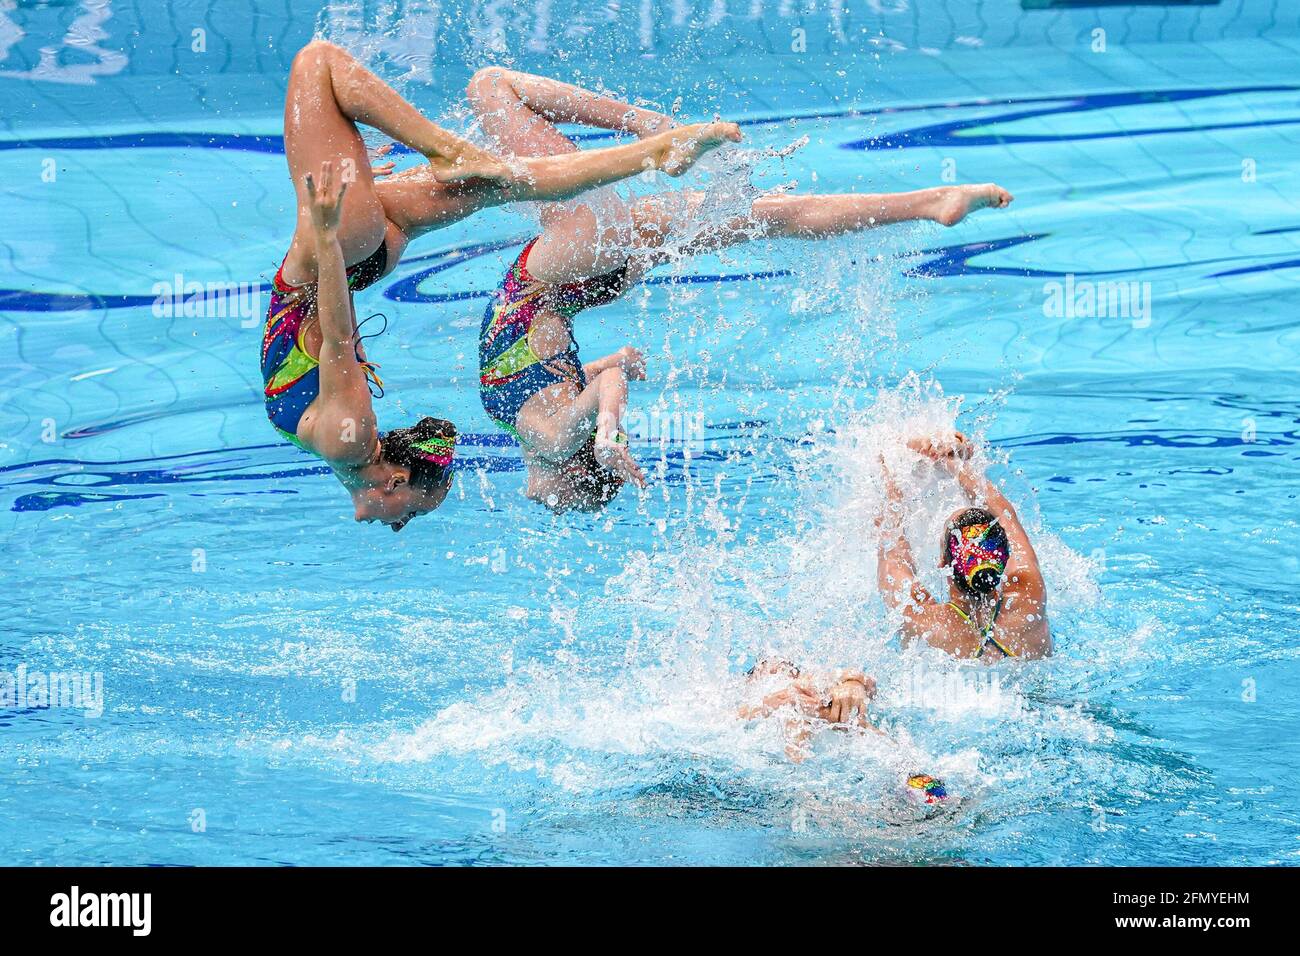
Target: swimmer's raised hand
x,y
944,448
633,362
325,199
846,701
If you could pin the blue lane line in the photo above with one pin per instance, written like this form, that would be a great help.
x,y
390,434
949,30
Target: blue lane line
x,y
949,135
941,134
66,496
944,262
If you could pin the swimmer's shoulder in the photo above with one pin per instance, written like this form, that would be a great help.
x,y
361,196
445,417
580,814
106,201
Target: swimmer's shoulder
x,y
934,622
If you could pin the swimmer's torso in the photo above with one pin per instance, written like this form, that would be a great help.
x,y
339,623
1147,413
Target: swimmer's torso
x,y
528,358
291,342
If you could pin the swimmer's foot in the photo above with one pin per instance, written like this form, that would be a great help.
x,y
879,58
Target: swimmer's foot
x,y
685,145
952,204
463,161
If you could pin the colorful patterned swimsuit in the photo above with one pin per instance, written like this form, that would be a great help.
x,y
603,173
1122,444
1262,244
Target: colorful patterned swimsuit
x,y
510,372
290,374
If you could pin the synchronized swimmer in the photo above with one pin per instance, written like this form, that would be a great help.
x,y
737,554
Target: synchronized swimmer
x,y
565,415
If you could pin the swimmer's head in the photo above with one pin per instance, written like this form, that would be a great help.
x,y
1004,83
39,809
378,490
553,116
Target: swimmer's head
x,y
414,473
975,546
580,484
926,790
773,667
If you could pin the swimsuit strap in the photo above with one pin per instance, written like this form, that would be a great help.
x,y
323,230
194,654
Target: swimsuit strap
x,y
370,368
986,635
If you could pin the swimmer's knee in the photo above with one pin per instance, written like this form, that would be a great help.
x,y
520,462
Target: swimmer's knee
x,y
487,85
315,55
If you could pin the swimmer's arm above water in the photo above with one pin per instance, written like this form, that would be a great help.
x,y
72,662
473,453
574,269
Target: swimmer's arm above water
x,y
1024,592
600,408
630,359
344,395
895,568
841,698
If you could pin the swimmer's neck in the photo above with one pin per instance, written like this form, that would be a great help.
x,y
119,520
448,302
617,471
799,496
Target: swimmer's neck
x,y
976,606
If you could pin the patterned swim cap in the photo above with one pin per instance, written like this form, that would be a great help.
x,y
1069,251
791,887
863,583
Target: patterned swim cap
x,y
978,548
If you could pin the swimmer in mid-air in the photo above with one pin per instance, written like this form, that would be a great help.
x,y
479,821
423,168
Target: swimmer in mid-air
x,y
838,700
565,415
351,231
997,601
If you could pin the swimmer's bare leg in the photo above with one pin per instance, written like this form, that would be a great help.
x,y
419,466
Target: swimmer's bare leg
x,y
519,112
329,92
550,169
816,217
807,217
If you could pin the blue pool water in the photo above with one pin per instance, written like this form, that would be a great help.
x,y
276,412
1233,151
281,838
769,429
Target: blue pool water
x,y
497,685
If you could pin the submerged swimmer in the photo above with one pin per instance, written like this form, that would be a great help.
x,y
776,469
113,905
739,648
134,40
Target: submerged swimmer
x,y
351,231
808,701
997,601
565,415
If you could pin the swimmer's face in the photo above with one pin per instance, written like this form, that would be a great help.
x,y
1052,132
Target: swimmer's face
x,y
397,501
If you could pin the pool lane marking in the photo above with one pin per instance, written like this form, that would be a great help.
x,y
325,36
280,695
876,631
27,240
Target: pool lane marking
x,y
935,135
946,262
940,134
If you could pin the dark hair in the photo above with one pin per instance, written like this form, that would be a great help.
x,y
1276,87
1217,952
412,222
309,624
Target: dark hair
x,y
986,579
776,662
426,448
598,485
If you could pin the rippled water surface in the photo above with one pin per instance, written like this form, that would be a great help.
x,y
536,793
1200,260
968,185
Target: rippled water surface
x,y
495,685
